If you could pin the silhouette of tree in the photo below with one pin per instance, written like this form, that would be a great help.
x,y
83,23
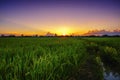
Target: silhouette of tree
x,y
55,34
11,35
105,35
35,35
2,35
22,35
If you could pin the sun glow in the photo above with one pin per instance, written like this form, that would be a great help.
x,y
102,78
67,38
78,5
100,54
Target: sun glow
x,y
63,34
63,31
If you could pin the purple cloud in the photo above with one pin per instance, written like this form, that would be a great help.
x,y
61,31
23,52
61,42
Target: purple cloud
x,y
103,32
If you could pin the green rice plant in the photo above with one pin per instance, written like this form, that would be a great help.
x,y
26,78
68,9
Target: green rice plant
x,y
109,55
109,48
40,58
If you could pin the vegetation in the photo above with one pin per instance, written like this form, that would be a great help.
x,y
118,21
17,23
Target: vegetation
x,y
108,49
56,58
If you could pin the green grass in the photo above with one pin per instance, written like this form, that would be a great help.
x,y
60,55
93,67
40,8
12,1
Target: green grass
x,y
40,58
54,58
107,41
108,48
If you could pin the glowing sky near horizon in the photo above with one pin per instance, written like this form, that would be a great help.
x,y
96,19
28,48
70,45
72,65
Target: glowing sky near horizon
x,y
58,16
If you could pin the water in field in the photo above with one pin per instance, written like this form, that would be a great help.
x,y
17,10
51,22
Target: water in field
x,y
110,74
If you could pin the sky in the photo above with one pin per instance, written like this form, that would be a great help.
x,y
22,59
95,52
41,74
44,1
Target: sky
x,y
62,17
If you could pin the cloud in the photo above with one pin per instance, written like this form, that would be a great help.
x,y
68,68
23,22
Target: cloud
x,y
103,32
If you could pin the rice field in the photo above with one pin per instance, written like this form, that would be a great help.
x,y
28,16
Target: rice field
x,y
56,58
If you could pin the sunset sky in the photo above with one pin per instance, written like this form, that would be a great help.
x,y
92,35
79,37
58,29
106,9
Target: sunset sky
x,y
58,16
